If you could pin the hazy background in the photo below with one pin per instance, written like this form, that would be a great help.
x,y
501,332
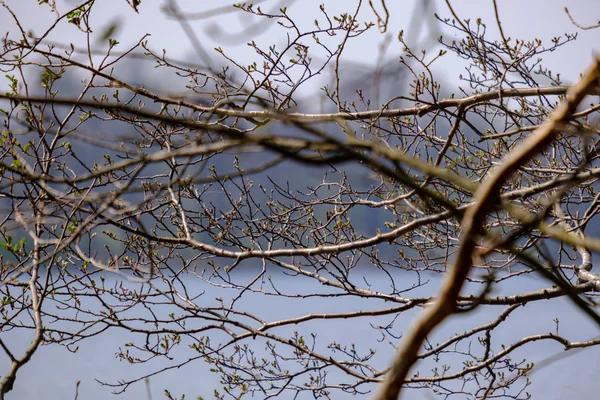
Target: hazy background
x,y
53,371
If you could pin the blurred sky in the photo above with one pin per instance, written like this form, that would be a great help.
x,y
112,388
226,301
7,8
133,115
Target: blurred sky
x,y
53,372
232,30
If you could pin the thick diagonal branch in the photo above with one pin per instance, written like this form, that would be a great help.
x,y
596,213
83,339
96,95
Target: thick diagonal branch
x,y
486,198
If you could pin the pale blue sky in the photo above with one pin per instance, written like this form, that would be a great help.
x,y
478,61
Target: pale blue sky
x,y
53,372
